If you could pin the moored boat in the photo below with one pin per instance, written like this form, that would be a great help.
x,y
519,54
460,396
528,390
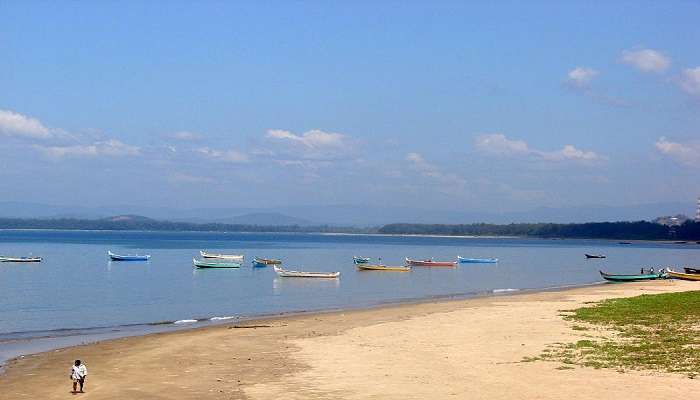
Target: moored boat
x,y
477,260
680,275
430,263
360,260
128,257
20,259
264,262
691,270
304,274
595,255
212,264
632,277
380,267
234,257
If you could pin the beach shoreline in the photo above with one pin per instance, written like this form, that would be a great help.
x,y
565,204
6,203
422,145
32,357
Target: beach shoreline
x,y
327,354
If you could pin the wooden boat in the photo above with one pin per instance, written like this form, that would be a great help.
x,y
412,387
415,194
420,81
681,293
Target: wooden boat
x,y
691,270
304,274
430,263
477,260
679,275
128,257
264,262
234,257
360,260
595,255
380,267
631,278
208,264
19,259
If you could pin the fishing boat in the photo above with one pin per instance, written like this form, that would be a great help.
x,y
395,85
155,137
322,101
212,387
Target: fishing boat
x,y
210,264
235,257
595,255
477,260
360,260
20,259
264,262
679,275
691,270
128,257
381,267
632,278
304,274
430,263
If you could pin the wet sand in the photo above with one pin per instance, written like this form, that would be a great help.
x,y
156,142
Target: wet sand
x,y
450,349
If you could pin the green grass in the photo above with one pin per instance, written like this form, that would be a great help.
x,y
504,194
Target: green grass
x,y
658,332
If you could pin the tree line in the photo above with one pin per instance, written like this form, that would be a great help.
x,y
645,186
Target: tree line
x,y
639,230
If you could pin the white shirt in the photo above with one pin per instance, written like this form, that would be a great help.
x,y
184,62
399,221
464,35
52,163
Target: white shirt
x,y
78,372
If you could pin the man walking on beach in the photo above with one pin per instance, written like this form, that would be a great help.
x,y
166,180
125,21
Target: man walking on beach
x,y
78,372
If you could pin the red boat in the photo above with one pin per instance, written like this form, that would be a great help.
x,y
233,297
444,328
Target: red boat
x,y
430,263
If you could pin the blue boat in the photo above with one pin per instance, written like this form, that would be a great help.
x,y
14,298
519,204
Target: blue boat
x,y
477,260
128,257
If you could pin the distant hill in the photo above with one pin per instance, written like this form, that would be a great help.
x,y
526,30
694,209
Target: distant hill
x,y
268,219
128,218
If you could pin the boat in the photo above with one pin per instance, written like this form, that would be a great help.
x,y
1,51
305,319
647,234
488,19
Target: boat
x,y
128,257
264,262
624,242
304,274
680,242
595,255
430,263
679,275
381,267
691,270
235,257
20,259
632,278
360,260
209,264
477,260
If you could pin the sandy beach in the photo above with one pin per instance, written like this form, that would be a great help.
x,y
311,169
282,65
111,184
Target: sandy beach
x,y
469,348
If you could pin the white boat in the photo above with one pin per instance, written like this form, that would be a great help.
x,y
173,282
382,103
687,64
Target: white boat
x,y
304,274
20,259
235,257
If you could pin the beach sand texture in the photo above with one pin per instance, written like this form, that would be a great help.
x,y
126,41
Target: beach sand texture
x,y
452,349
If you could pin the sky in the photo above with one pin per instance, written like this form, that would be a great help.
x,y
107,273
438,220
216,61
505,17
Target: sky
x,y
479,106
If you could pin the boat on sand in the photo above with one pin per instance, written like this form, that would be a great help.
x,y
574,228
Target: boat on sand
x,y
680,275
632,277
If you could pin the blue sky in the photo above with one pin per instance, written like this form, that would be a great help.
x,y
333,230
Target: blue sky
x,y
497,106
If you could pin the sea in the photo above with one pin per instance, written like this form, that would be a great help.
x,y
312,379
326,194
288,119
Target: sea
x,y
77,295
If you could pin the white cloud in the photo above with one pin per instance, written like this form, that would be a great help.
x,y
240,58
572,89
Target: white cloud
x,y
15,124
569,152
690,81
499,144
109,148
581,77
315,139
686,153
646,60
185,136
232,156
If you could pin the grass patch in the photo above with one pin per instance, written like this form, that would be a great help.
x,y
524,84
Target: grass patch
x,y
658,332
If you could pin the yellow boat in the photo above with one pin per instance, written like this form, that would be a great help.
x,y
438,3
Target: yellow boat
x,y
680,275
369,267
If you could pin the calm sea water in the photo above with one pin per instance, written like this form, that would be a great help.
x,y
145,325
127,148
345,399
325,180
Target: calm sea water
x,y
76,291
